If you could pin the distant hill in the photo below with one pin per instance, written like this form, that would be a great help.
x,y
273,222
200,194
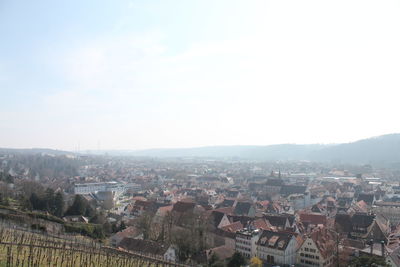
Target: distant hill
x,y
381,149
34,151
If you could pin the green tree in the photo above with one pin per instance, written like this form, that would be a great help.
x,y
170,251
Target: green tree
x,y
237,260
59,204
368,260
35,201
78,207
24,202
215,262
48,200
122,226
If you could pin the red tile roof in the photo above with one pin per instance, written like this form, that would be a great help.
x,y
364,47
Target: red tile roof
x,y
233,227
312,218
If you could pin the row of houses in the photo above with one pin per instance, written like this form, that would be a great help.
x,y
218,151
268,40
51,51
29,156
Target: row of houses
x,y
285,248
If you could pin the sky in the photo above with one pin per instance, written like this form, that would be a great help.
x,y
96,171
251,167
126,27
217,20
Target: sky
x,y
99,74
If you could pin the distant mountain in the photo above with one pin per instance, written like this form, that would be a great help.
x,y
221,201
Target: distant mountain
x,y
381,149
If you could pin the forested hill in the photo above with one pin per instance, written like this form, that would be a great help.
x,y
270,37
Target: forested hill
x,y
34,151
381,149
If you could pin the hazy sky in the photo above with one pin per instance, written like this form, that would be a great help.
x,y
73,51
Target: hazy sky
x,y
144,74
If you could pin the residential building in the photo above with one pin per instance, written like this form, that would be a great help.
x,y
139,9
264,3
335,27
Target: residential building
x,y
245,242
318,249
277,248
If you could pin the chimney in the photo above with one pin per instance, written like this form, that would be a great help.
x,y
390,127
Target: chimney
x,y
383,248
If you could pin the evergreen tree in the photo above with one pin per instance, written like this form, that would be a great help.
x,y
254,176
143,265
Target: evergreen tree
x,y
122,226
89,212
78,207
24,202
237,260
368,260
49,200
59,204
35,201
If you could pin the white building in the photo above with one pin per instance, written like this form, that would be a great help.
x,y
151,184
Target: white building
x,y
245,242
277,248
118,188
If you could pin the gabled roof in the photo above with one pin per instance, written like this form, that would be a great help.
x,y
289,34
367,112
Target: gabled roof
x,y
216,217
225,210
395,256
245,220
261,224
368,198
292,189
182,206
362,220
276,240
343,220
312,218
273,207
128,232
274,182
318,208
228,202
242,208
325,241
276,220
233,227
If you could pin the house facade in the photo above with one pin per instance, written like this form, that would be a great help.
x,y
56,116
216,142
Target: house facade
x,y
245,242
277,248
318,249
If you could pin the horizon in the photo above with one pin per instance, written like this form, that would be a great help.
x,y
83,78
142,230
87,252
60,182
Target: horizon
x,y
136,75
194,147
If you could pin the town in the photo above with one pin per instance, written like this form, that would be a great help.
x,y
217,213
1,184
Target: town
x,y
211,212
